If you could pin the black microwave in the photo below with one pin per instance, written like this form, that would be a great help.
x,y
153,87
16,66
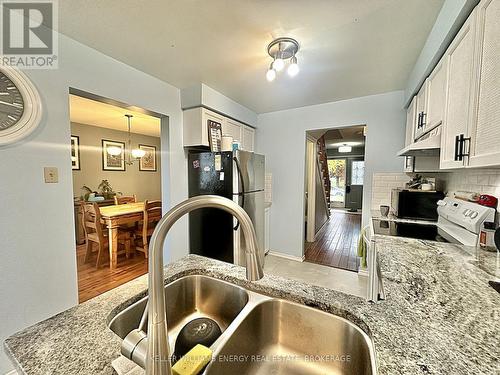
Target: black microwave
x,y
415,204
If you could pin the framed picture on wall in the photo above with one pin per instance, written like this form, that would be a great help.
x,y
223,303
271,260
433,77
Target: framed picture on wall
x,y
113,155
75,152
148,161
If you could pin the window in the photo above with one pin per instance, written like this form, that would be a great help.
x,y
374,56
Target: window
x,y
358,172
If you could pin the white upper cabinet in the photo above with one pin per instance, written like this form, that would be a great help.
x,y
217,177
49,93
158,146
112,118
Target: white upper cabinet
x,y
195,128
457,114
247,143
485,130
233,129
436,88
411,118
421,110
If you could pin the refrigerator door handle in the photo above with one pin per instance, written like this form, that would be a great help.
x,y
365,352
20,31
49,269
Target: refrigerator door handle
x,y
242,192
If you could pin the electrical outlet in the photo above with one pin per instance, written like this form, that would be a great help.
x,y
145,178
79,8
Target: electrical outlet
x,y
50,175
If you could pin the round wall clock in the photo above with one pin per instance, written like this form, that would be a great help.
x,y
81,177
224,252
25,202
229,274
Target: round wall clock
x,y
20,106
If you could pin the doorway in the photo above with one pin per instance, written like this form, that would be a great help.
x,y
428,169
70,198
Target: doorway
x,y
334,242
116,169
338,174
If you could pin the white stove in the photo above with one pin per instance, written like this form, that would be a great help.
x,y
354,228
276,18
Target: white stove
x,y
460,221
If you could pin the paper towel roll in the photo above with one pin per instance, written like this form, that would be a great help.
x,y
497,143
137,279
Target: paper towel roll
x,y
227,143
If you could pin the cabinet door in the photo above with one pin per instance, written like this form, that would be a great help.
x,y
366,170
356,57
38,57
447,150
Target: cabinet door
x,y
411,120
458,108
436,88
209,115
247,143
232,128
485,129
421,110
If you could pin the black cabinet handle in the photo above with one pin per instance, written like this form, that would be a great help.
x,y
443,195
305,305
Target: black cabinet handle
x,y
457,145
463,139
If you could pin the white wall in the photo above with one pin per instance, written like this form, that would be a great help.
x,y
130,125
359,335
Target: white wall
x,y
451,17
37,252
281,136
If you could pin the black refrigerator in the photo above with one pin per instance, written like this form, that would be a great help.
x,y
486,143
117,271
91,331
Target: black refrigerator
x,y
238,176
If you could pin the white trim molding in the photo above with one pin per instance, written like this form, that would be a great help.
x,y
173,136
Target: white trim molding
x,y
286,256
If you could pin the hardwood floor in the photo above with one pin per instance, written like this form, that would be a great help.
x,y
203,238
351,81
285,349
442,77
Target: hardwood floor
x,y
337,242
92,281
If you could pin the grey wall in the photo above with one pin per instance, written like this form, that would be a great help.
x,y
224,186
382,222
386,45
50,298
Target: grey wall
x,y
280,132
145,184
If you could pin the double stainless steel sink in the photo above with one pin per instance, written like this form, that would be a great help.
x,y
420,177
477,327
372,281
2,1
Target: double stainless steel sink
x,y
260,334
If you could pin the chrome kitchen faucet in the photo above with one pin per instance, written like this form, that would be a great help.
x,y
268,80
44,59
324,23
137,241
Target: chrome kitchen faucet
x,y
156,358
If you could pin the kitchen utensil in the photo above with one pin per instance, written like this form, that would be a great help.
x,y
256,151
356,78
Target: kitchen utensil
x,y
426,187
227,143
202,331
487,236
384,211
488,200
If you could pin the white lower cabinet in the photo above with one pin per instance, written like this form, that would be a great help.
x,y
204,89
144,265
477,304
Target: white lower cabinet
x,y
485,129
267,228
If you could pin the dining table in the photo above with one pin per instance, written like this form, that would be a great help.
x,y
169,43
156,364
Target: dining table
x,y
117,216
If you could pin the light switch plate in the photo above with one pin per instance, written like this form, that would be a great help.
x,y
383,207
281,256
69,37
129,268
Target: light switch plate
x,y
51,175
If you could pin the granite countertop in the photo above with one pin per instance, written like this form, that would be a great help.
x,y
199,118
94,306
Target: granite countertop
x,y
440,315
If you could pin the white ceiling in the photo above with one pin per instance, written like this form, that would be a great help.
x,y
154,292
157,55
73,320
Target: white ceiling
x,y
349,48
91,112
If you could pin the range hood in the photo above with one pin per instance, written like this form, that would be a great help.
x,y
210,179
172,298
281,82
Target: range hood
x,y
428,145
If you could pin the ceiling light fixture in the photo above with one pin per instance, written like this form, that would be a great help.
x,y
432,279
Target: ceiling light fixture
x,y
135,154
271,74
282,50
345,148
293,68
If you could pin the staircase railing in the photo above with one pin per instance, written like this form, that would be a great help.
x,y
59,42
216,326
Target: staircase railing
x,y
324,173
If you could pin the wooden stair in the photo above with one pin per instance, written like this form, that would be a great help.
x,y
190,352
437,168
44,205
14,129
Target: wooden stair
x,y
323,161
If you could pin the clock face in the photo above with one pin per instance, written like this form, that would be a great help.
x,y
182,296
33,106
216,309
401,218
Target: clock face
x,y
11,103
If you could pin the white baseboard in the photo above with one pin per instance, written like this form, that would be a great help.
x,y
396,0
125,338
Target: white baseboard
x,y
286,256
13,372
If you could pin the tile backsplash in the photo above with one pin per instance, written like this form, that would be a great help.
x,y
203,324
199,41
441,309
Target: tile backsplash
x,y
382,185
483,181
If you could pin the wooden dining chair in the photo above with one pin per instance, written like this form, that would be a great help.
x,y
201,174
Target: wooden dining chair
x,y
95,233
152,215
124,199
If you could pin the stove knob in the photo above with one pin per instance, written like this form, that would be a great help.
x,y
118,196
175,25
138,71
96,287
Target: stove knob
x,y
473,215
466,212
